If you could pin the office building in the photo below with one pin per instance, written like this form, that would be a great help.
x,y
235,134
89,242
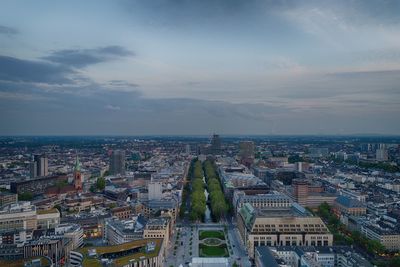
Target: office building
x,y
155,190
7,198
292,226
117,162
39,166
20,216
122,231
300,191
137,253
310,256
37,186
158,228
350,206
260,200
246,152
215,145
382,153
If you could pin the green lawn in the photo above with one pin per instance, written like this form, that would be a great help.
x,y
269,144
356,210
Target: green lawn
x,y
213,251
214,234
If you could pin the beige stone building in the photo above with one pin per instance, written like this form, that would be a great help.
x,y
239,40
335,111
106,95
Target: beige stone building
x,y
292,226
158,228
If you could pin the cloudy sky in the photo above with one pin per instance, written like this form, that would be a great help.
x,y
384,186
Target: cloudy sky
x,y
199,67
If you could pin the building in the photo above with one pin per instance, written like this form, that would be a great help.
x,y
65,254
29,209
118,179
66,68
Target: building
x,y
37,186
155,190
158,228
310,195
300,191
209,262
246,152
389,238
47,218
157,208
117,162
318,152
77,175
350,206
122,231
138,253
215,145
20,216
39,166
382,153
281,227
72,231
53,248
310,256
260,200
24,216
122,213
7,198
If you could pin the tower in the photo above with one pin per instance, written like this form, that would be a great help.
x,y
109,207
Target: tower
x,y
300,191
117,162
215,144
77,175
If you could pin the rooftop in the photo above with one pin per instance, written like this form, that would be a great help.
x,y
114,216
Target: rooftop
x,y
121,261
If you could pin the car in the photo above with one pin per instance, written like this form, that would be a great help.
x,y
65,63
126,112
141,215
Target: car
x,y
239,259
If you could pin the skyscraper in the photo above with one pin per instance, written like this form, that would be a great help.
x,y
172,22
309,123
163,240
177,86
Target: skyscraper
x,y
382,153
39,166
300,191
117,162
246,152
215,144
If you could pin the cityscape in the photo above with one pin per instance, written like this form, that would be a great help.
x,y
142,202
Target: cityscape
x,y
200,201
200,133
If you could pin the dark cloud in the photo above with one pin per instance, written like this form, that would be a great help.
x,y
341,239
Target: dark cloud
x,y
20,70
122,83
80,58
8,30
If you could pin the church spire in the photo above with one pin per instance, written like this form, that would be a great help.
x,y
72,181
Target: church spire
x,y
77,167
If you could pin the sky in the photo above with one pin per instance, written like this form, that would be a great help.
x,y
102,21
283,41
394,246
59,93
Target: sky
x,y
180,67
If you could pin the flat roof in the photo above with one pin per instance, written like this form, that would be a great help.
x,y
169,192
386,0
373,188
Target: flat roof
x,y
94,262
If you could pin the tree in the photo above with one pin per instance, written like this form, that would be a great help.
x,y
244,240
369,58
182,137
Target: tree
x,y
25,196
101,183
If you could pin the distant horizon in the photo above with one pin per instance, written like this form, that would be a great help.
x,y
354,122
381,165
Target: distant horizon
x,y
209,135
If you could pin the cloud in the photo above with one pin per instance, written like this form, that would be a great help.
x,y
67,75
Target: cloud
x,y
80,58
122,84
111,107
8,30
21,70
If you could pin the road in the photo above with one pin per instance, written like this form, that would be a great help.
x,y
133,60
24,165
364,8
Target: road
x,y
184,246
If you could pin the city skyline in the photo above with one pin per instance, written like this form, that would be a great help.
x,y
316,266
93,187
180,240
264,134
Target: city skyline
x,y
197,67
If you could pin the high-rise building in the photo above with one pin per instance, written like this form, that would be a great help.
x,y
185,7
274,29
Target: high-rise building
x,y
215,144
77,175
246,152
187,149
117,162
39,166
300,191
382,153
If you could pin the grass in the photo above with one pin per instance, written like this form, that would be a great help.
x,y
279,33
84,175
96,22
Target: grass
x,y
213,251
214,234
122,261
